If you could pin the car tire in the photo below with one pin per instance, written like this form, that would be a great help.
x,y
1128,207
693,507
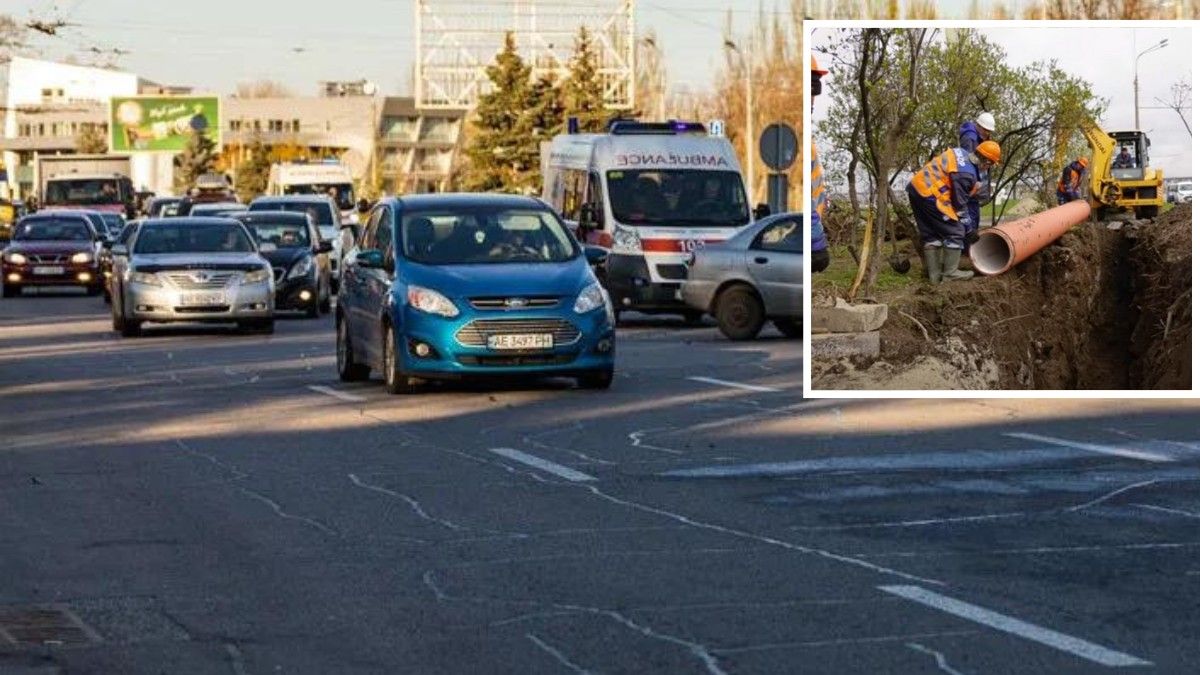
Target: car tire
x,y
313,310
792,328
326,303
395,380
739,313
93,291
693,318
130,327
11,291
600,379
348,370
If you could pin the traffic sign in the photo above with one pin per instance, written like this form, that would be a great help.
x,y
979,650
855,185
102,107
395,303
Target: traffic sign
x,y
716,128
778,147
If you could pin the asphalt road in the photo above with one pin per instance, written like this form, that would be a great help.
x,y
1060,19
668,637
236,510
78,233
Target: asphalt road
x,y
196,501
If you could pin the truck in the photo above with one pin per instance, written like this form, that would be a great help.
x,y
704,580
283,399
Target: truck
x,y
323,177
96,182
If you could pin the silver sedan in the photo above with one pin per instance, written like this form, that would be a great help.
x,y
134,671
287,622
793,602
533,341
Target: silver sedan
x,y
755,276
192,269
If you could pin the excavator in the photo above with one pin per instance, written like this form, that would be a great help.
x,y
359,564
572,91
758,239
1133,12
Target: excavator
x,y
1139,189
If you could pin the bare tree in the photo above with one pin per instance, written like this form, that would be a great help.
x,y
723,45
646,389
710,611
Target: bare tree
x,y
262,89
1180,101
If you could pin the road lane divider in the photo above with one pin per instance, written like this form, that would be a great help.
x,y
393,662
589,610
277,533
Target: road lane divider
x,y
340,395
1051,638
735,385
559,470
1115,451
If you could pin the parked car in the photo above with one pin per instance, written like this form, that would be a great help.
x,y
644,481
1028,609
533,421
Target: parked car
x,y
453,286
325,213
1184,193
755,276
298,256
192,269
54,248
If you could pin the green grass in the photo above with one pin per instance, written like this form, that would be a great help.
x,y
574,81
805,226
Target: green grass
x,y
842,270
990,209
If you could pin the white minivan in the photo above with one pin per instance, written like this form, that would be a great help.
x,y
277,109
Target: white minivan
x,y
650,193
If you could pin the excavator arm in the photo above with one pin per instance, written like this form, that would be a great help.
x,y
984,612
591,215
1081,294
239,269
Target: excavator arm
x,y
1101,188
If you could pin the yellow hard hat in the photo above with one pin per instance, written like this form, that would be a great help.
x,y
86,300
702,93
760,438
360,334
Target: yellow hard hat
x,y
989,150
816,67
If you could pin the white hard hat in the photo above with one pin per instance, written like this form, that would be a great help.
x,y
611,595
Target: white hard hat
x,y
986,121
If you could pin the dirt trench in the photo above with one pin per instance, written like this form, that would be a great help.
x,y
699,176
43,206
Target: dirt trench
x,y
1099,309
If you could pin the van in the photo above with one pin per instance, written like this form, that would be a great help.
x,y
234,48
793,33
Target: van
x,y
649,193
326,177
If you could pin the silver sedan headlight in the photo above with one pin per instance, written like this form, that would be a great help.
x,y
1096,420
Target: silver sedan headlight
x,y
257,276
145,278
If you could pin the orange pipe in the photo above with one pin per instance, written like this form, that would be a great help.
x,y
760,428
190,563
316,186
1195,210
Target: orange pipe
x,y
1002,247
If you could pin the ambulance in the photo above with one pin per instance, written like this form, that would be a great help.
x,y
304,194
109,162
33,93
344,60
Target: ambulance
x,y
650,193
323,177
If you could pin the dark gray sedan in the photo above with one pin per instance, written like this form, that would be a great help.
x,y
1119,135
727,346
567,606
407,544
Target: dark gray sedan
x,y
755,276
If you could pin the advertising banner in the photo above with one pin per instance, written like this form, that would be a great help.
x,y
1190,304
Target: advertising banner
x,y
161,123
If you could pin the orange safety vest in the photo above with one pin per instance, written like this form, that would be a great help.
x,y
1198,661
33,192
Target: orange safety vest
x,y
933,180
1076,177
817,179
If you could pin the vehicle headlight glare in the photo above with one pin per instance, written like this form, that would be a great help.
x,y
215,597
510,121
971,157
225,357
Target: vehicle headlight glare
x,y
82,257
17,259
589,299
431,302
301,268
257,276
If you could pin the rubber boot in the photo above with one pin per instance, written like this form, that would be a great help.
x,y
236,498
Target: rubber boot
x,y
933,263
950,271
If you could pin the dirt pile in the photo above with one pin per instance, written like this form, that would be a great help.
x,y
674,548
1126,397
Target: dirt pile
x,y
1088,312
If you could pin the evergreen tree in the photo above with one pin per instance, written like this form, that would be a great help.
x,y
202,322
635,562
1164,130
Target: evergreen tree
x,y
254,173
500,152
90,140
583,90
198,158
546,119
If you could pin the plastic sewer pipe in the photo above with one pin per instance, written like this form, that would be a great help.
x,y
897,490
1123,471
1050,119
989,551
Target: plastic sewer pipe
x,y
1002,247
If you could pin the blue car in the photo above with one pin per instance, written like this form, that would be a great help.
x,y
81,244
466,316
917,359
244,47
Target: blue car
x,y
443,287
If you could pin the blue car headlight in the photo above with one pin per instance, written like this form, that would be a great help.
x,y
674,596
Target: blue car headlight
x,y
591,298
431,302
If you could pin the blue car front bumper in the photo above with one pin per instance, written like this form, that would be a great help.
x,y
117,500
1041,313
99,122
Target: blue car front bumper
x,y
458,347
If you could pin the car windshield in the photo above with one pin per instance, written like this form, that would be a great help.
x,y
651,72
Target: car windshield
x,y
113,222
83,191
193,238
342,193
485,235
320,212
214,209
281,235
684,197
160,207
53,229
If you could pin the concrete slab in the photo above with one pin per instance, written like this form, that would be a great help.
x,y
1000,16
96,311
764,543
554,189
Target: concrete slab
x,y
837,345
846,318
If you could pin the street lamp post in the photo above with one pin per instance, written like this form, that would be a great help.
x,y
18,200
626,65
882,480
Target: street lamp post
x,y
746,66
1137,117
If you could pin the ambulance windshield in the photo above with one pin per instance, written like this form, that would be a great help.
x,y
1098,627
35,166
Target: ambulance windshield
x,y
690,198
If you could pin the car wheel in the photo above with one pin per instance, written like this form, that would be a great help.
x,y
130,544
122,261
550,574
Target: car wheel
x,y
11,291
130,327
327,301
396,381
793,328
739,313
693,318
348,370
600,379
314,308
93,291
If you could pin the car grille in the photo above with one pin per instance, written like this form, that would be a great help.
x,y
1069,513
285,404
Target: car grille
x,y
672,271
475,334
523,360
186,281
49,259
202,309
500,304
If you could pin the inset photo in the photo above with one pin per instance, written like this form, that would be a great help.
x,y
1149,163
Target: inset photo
x,y
1004,207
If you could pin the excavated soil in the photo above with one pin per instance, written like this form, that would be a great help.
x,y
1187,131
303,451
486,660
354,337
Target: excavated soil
x,y
1101,308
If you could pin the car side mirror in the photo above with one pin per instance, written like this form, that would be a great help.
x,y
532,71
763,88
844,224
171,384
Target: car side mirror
x,y
595,255
371,259
325,246
119,249
588,218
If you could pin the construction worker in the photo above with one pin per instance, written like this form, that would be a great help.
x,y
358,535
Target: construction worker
x,y
1071,181
970,134
820,247
939,193
1124,160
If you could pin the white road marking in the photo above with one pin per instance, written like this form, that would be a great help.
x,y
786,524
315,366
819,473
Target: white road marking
x,y
734,385
1177,512
545,465
1014,626
330,391
1115,451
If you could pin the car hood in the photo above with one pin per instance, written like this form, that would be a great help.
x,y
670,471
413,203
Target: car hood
x,y
46,246
284,257
509,279
197,261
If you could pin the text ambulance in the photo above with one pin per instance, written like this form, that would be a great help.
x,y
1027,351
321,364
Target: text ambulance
x,y
651,194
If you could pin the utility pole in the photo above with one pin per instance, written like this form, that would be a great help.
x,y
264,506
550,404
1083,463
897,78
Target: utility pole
x,y
1137,116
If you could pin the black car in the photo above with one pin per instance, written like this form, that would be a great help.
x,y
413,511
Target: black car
x,y
107,255
298,257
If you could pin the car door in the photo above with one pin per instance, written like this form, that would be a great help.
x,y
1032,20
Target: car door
x,y
775,262
377,283
321,259
351,294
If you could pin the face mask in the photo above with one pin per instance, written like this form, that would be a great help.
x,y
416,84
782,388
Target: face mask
x,y
816,85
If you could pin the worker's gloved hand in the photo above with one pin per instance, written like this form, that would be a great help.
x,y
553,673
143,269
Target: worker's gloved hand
x,y
964,219
972,237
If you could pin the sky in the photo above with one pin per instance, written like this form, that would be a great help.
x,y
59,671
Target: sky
x,y
1104,57
217,43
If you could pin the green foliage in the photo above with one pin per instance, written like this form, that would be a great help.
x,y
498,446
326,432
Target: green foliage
x,y
500,153
91,140
583,90
254,174
198,157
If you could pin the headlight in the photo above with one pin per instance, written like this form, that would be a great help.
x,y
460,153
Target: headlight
x,y
82,257
147,278
257,276
626,241
589,299
301,268
17,258
431,302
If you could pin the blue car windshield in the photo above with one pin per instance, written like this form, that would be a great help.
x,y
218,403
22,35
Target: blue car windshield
x,y
485,236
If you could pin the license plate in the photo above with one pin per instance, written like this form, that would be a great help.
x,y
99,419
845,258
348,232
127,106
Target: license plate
x,y
48,270
520,342
201,299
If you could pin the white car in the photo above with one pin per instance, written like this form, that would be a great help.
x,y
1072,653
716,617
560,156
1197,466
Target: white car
x,y
1184,192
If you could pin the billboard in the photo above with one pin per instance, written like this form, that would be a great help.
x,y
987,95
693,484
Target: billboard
x,y
161,123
